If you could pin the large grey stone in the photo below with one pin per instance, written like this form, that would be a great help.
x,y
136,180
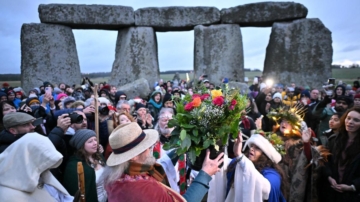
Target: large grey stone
x,y
219,52
263,14
299,52
48,53
139,88
79,16
176,18
243,87
135,57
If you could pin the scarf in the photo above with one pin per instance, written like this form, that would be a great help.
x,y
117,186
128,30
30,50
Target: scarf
x,y
155,104
245,121
156,171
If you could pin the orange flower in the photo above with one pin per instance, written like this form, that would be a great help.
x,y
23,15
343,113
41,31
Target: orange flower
x,y
196,102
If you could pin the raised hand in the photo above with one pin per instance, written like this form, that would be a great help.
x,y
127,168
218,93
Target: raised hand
x,y
212,166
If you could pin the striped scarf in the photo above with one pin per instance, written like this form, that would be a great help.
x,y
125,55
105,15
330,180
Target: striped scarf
x,y
156,171
181,167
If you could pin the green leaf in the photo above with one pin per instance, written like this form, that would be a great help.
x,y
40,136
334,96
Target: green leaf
x,y
207,143
172,123
186,143
198,150
192,155
180,151
195,139
182,134
167,146
187,126
195,132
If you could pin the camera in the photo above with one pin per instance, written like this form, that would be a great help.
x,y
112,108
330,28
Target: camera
x,y
76,118
104,110
204,75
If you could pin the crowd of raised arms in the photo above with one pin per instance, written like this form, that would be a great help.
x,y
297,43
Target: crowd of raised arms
x,y
119,140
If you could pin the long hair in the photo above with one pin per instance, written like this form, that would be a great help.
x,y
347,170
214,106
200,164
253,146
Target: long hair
x,y
113,173
342,139
116,118
2,104
265,162
83,155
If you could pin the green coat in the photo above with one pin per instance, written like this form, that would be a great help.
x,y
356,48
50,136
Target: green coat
x,y
71,179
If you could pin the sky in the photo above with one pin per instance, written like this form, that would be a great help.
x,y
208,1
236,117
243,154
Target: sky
x,y
96,48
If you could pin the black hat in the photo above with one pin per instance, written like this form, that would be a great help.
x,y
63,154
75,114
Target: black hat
x,y
138,106
347,99
167,97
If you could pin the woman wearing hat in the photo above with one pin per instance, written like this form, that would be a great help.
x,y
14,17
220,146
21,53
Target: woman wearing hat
x,y
143,118
87,151
256,176
155,104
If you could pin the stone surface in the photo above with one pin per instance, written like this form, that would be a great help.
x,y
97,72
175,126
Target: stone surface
x,y
299,52
263,14
48,53
139,88
219,52
79,16
176,18
243,87
135,57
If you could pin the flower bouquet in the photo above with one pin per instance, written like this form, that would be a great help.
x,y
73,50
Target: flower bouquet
x,y
205,120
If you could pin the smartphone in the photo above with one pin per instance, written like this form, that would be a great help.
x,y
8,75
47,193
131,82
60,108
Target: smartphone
x,y
205,76
331,81
48,90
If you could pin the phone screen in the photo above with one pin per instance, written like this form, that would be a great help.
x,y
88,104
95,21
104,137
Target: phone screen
x,y
48,90
331,81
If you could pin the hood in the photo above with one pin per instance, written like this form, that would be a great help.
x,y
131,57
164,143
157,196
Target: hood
x,y
342,87
27,159
117,96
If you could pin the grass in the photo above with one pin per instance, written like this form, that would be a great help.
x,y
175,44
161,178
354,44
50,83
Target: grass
x,y
346,75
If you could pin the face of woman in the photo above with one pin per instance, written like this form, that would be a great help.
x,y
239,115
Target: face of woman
x,y
334,122
123,119
141,111
352,122
254,153
91,146
157,97
268,97
339,91
277,100
285,127
7,109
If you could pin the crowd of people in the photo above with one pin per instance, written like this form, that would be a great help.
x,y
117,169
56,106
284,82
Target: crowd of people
x,y
47,131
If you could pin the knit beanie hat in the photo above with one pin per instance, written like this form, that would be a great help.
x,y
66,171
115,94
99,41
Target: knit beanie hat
x,y
57,90
305,93
61,95
167,97
67,100
80,137
138,106
278,95
32,100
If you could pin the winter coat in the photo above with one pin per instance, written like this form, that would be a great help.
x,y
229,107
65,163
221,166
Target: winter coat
x,y
24,170
351,176
71,179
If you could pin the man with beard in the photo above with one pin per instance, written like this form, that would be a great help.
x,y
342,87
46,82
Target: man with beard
x,y
324,113
133,175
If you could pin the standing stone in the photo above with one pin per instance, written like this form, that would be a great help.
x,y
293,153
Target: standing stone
x,y
176,18
87,16
48,53
136,56
299,52
263,14
219,52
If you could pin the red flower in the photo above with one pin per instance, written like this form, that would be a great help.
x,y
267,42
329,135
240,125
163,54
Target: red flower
x,y
218,101
233,102
204,97
231,107
195,96
189,106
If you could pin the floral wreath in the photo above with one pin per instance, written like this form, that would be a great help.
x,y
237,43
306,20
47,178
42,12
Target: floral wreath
x,y
294,115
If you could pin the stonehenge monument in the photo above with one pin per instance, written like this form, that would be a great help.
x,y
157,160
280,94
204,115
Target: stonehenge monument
x,y
298,46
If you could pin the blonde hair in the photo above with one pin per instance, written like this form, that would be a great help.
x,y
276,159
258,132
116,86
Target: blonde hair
x,y
116,117
78,103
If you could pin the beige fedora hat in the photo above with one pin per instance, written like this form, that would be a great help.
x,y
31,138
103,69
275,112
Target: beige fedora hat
x,y
128,141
